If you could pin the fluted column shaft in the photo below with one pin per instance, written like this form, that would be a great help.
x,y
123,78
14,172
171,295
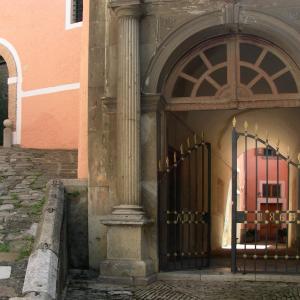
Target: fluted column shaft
x,y
129,106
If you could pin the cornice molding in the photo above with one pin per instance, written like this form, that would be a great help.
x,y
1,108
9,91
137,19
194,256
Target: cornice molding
x,y
118,3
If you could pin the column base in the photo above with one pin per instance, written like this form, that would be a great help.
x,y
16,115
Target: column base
x,y
128,210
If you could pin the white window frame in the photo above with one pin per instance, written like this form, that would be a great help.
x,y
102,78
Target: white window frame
x,y
69,25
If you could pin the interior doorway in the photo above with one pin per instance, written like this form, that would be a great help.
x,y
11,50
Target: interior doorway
x,y
265,202
215,127
3,95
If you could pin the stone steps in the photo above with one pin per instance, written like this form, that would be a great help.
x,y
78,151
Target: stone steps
x,y
24,174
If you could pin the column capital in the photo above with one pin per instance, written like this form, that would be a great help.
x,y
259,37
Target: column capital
x,y
128,10
152,103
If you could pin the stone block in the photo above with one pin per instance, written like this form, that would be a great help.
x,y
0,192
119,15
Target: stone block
x,y
41,273
127,251
49,231
7,137
9,256
126,268
6,207
128,239
7,291
5,272
32,230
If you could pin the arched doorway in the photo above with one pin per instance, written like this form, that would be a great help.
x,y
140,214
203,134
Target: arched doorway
x,y
3,95
216,80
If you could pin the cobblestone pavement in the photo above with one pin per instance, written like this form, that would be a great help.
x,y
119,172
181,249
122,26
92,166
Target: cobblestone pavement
x,y
184,290
24,174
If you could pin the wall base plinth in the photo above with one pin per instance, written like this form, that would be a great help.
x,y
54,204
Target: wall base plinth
x,y
127,271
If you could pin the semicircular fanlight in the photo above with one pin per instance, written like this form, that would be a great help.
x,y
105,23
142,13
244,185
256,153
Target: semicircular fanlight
x,y
209,71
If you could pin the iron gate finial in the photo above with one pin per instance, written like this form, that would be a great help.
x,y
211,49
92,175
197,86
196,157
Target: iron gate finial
x,y
159,166
181,150
168,164
246,125
188,143
234,122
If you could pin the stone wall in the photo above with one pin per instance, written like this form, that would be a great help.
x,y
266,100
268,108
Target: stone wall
x,y
167,30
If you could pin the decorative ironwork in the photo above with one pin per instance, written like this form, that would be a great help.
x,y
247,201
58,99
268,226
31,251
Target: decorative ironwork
x,y
184,199
263,72
266,227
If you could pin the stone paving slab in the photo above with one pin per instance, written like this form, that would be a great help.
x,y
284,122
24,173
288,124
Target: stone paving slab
x,y
5,272
184,290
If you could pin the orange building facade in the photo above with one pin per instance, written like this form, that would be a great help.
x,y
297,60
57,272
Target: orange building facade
x,y
41,46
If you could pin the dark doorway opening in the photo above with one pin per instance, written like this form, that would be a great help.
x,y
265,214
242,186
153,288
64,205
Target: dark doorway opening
x,y
3,95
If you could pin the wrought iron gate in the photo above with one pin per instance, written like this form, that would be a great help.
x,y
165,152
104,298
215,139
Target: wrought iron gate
x,y
265,206
184,212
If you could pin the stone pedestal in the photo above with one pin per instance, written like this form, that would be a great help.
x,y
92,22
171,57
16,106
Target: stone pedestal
x,y
127,252
7,133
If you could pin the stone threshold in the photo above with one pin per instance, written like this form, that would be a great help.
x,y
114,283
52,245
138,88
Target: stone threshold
x,y
224,274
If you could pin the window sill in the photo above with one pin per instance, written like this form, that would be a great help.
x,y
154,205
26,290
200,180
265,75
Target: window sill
x,y
74,25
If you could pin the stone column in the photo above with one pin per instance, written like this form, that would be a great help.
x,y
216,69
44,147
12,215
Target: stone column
x,y
127,251
128,106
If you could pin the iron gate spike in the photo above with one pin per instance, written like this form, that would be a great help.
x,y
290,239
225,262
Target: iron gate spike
x,y
188,143
277,145
256,129
246,126
159,166
267,137
202,136
234,122
181,149
167,162
195,138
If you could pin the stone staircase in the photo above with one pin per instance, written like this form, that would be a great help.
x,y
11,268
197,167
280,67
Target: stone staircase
x,y
92,289
24,174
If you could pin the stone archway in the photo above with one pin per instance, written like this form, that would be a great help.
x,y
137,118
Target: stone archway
x,y
183,41
14,81
212,25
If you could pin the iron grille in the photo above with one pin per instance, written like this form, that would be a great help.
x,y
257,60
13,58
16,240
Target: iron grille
x,y
77,10
184,214
266,220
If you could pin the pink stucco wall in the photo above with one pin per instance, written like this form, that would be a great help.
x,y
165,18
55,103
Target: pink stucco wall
x,y
50,57
251,202
47,125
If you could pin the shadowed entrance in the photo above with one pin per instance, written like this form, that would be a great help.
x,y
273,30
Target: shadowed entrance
x,y
3,96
